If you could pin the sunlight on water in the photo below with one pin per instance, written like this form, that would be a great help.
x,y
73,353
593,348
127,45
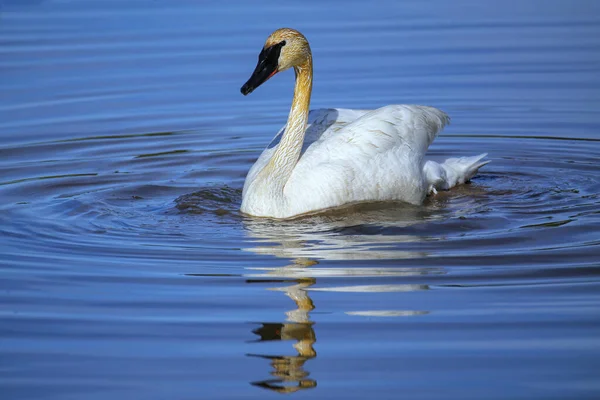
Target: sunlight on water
x,y
128,270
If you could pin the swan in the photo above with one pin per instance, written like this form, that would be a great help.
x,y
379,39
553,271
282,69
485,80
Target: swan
x,y
327,158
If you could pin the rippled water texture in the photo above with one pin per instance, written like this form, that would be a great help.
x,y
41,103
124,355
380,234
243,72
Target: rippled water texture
x,y
127,271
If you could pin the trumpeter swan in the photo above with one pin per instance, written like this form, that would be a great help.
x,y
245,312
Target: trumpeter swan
x,y
330,157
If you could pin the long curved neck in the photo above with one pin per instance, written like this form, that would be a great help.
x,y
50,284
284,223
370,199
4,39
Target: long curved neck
x,y
286,156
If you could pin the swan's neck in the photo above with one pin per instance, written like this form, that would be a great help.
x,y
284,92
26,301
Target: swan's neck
x,y
286,156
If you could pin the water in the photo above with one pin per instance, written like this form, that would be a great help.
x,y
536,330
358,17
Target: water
x,y
128,272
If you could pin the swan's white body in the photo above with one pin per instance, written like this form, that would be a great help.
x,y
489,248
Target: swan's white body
x,y
352,156
333,157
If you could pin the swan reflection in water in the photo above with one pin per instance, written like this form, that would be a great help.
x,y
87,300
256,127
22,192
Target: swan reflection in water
x,y
326,237
298,327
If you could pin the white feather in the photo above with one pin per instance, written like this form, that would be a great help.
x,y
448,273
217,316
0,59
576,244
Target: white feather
x,y
353,156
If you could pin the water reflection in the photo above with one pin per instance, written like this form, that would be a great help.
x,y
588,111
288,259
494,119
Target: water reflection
x,y
358,232
347,235
288,371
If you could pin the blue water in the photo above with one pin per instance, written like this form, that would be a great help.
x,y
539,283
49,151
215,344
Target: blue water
x,y
127,271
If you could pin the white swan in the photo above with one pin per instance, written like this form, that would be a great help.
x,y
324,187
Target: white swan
x,y
330,157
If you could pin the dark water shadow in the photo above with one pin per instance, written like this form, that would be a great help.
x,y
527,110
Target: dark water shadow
x,y
218,200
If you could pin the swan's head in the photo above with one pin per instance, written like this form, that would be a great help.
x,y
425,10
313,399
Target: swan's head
x,y
284,48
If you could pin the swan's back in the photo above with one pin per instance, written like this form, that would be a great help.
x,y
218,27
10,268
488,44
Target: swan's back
x,y
393,125
375,157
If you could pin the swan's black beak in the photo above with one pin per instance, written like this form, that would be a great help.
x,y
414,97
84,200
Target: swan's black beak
x,y
266,68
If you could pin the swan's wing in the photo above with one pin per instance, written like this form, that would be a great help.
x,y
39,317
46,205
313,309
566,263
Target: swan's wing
x,y
377,131
378,156
322,122
344,137
325,122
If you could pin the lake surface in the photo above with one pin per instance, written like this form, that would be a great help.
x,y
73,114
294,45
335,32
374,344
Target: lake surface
x,y
127,271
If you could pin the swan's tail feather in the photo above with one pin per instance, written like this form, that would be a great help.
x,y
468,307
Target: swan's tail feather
x,y
452,172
